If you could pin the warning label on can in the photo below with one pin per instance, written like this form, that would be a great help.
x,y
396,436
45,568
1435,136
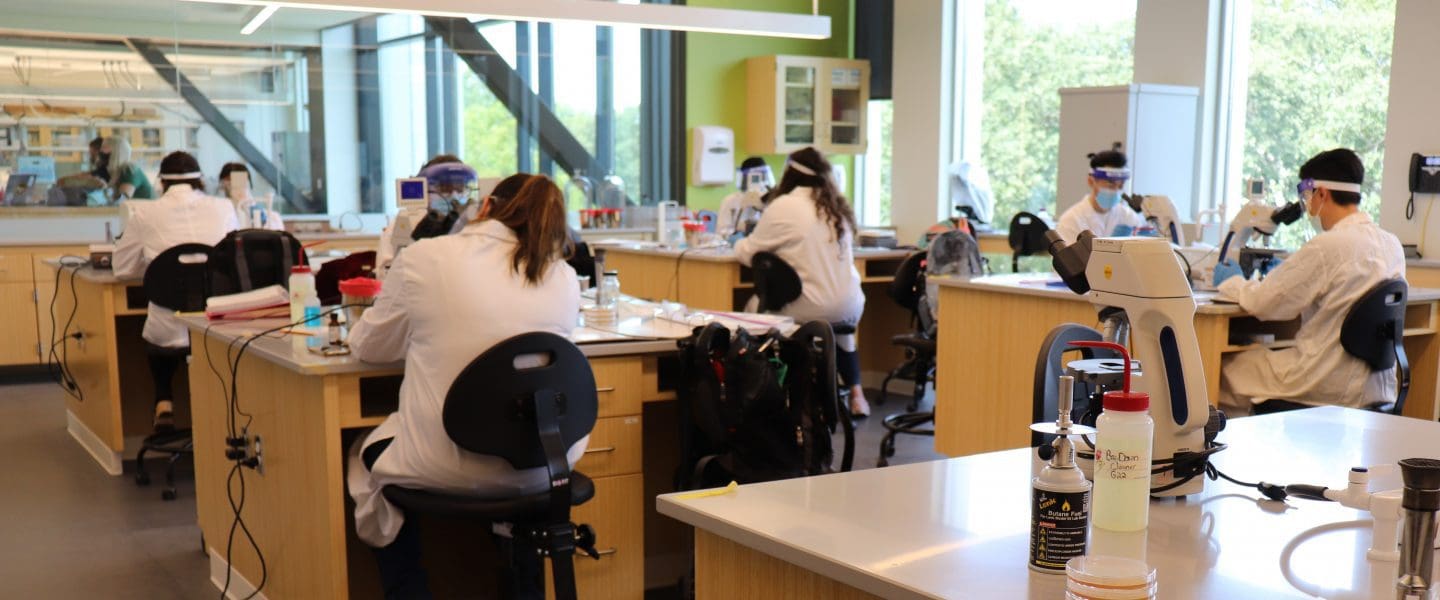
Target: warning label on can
x,y
1058,528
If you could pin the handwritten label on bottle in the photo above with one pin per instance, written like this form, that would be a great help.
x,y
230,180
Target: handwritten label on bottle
x,y
1119,464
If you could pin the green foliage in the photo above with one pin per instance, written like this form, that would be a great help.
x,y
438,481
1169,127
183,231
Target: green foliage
x,y
489,144
1025,67
1319,79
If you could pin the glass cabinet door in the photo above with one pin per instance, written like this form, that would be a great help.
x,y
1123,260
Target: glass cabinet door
x,y
799,107
846,107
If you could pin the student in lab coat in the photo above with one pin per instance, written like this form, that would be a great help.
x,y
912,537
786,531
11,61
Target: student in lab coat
x,y
752,180
809,224
251,212
446,301
1319,283
1102,211
448,183
182,215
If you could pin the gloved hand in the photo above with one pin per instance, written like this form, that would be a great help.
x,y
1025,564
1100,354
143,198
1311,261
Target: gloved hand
x,y
1270,265
735,237
1122,230
1148,231
1225,270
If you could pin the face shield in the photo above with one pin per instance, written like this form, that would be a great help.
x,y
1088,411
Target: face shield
x,y
755,179
449,184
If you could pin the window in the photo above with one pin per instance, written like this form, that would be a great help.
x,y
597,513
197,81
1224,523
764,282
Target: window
x,y
1318,78
873,189
1032,48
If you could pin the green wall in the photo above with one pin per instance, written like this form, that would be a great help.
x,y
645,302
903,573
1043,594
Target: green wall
x,y
715,79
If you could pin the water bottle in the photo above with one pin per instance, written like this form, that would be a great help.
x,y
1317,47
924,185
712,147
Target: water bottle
x,y
257,216
608,294
304,301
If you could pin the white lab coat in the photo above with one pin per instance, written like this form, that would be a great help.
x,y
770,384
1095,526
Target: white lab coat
x,y
1320,282
385,253
181,216
1083,216
446,301
734,210
793,230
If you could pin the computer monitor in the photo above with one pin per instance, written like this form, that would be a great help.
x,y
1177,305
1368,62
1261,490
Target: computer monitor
x,y
18,188
412,192
42,167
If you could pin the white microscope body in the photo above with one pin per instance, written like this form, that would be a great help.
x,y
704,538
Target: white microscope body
x,y
1143,278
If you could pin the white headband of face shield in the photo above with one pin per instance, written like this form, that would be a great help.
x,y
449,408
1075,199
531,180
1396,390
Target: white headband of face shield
x,y
179,176
801,168
1337,186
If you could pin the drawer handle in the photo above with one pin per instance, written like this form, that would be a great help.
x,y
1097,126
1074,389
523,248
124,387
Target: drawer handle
x,y
605,552
599,450
605,389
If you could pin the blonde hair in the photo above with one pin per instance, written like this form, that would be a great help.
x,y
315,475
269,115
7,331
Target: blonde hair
x,y
119,154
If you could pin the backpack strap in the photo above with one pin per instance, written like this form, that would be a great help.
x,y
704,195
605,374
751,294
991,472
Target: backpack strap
x,y
242,266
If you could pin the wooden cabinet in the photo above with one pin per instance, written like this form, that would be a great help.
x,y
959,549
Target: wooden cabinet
x,y
26,286
19,340
799,101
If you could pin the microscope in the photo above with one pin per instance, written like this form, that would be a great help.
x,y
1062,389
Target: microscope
x,y
1160,212
1139,287
1256,218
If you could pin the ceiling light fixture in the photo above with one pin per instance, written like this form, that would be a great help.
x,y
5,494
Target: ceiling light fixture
x,y
261,16
649,16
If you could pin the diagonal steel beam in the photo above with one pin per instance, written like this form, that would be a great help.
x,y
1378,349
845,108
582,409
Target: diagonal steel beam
x,y
222,124
555,139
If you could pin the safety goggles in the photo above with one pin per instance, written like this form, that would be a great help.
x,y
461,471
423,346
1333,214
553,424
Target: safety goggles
x,y
453,175
1310,185
1115,174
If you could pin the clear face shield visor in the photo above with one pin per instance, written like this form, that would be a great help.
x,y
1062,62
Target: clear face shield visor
x,y
758,179
1307,187
1112,175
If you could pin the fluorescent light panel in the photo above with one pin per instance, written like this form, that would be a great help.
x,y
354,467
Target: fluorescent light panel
x,y
259,19
648,16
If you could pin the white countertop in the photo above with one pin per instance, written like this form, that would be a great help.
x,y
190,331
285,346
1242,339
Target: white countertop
x,y
726,254
959,528
1049,285
653,337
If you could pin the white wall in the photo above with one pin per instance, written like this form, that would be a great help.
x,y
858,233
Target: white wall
x,y
922,126
1411,125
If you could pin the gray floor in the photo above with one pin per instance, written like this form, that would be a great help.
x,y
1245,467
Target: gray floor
x,y
68,530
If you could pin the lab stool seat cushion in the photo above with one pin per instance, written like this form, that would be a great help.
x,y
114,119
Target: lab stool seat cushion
x,y
519,508
914,340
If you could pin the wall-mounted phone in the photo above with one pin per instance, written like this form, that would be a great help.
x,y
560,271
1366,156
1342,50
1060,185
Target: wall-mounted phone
x,y
1424,179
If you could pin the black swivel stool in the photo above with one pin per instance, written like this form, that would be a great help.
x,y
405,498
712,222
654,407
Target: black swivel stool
x,y
1374,332
178,279
530,417
907,290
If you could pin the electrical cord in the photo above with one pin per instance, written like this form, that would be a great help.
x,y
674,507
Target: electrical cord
x,y
58,364
675,279
237,453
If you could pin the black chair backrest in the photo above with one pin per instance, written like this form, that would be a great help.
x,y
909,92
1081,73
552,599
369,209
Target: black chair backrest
x,y
1374,329
776,283
909,283
490,407
179,278
583,262
248,259
1050,365
1027,236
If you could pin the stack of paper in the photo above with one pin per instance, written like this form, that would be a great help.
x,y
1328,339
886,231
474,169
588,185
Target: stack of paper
x,y
271,301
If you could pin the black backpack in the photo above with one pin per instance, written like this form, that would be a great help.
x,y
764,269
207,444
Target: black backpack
x,y
761,407
248,259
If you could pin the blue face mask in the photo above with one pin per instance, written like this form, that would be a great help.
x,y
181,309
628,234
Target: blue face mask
x,y
1107,198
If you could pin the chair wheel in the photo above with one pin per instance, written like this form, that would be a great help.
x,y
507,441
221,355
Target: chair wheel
x,y
142,479
167,494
